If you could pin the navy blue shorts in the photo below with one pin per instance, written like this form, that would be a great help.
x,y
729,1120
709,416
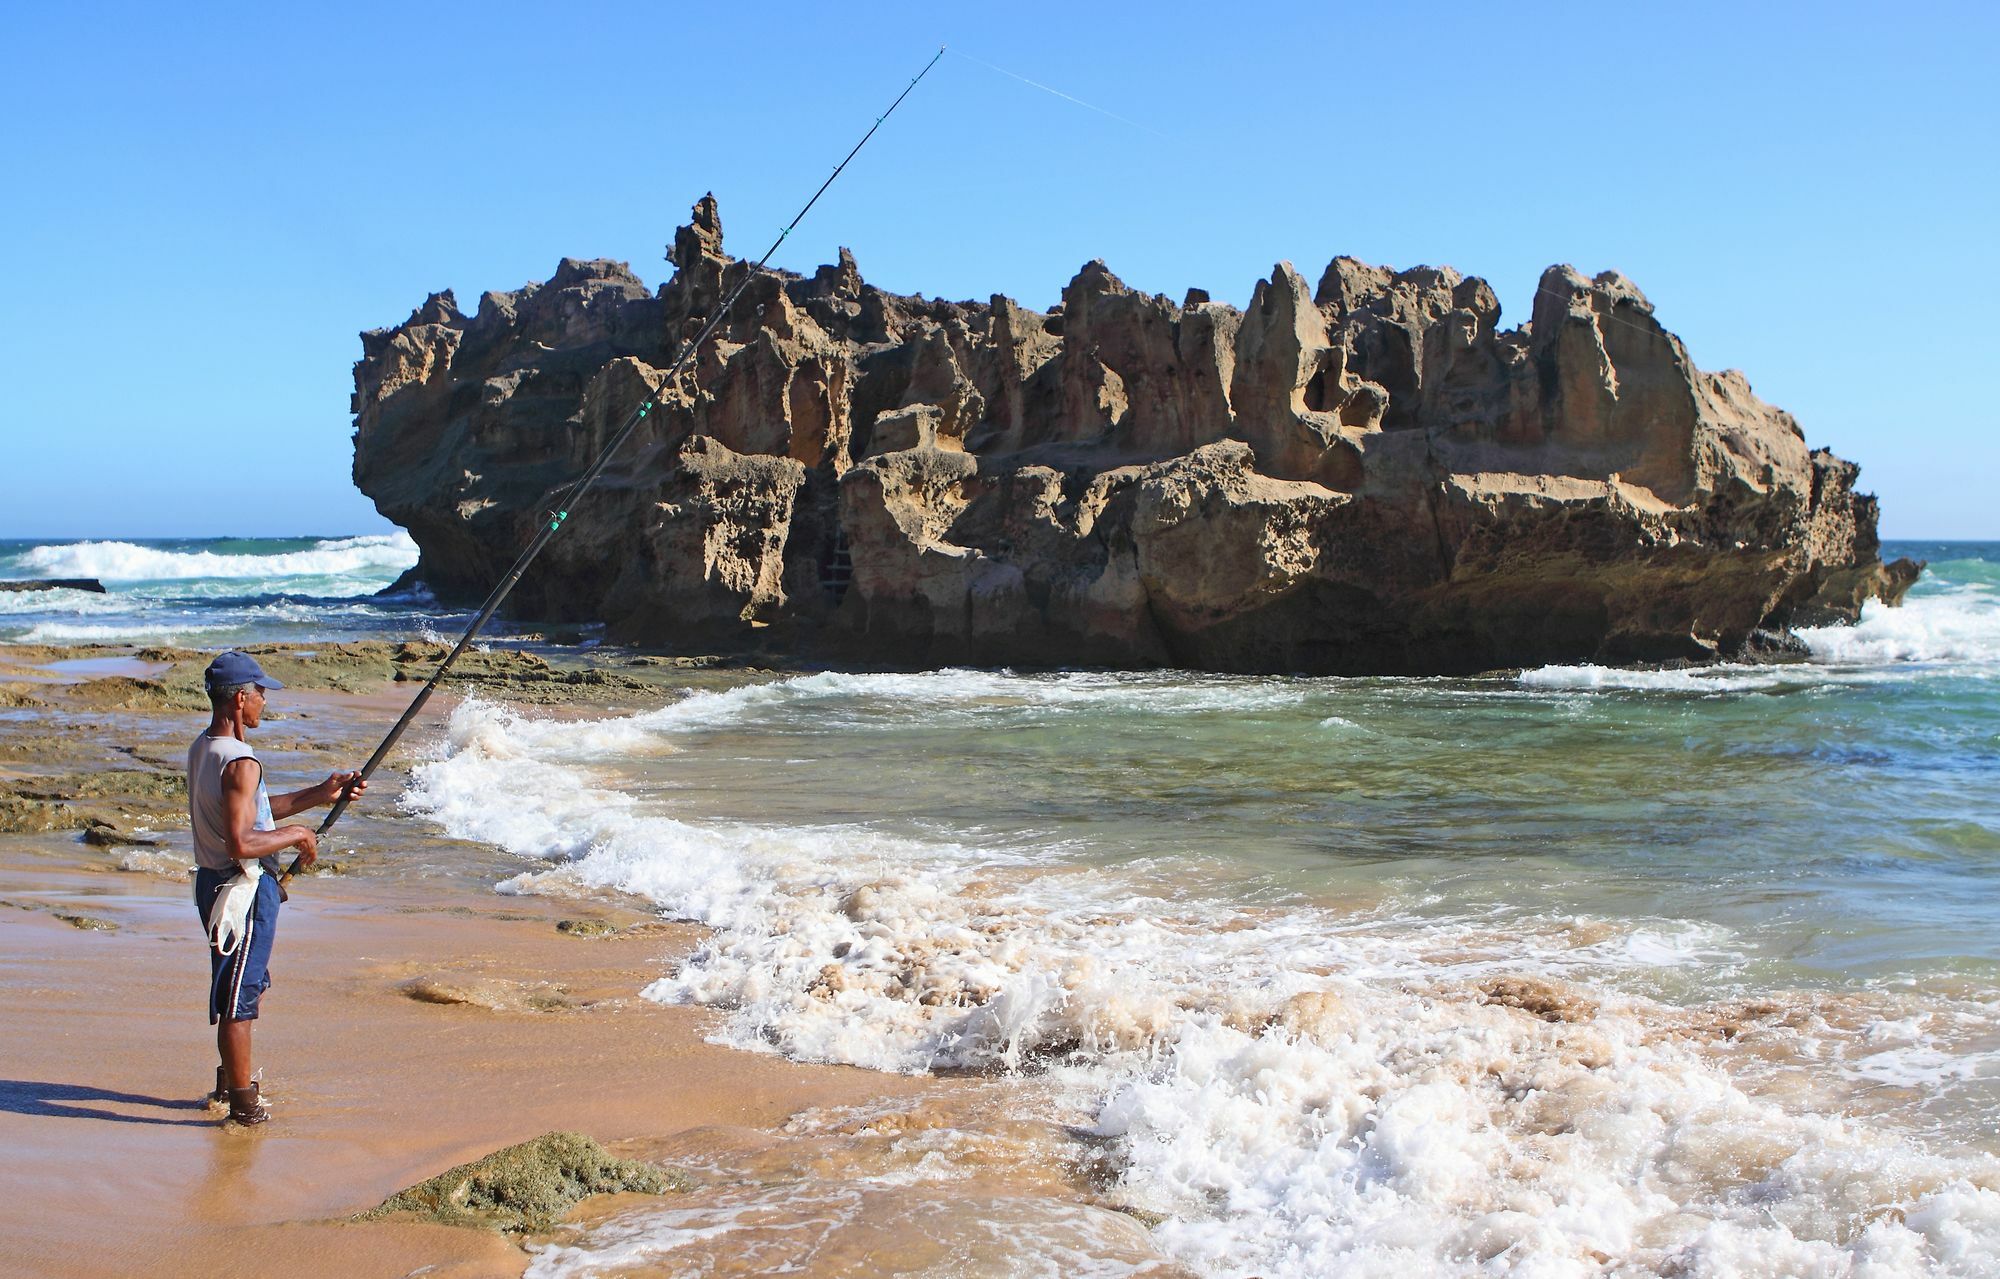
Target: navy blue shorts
x,y
237,981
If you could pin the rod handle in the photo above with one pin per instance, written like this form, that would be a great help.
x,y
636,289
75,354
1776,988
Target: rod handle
x,y
339,807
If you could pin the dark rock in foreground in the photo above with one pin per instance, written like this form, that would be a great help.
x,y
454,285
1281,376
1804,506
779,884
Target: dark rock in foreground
x,y
56,584
1366,476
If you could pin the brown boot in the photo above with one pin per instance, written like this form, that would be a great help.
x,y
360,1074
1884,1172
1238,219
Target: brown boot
x,y
220,1097
245,1108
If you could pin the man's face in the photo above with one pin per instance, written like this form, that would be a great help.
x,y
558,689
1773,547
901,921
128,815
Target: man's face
x,y
250,703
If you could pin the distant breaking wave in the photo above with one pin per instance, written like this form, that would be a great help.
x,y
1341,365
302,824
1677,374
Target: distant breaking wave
x,y
375,555
1960,624
1953,627
162,633
61,601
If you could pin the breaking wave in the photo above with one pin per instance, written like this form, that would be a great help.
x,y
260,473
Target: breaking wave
x,y
1960,624
381,555
1952,629
1724,678
163,632
1299,1091
860,702
63,601
224,591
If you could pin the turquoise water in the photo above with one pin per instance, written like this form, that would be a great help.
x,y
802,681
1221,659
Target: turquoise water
x,y
1695,970
1848,808
1842,819
1861,819
212,592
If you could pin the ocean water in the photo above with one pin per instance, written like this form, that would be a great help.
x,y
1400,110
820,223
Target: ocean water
x,y
1579,971
1576,971
212,592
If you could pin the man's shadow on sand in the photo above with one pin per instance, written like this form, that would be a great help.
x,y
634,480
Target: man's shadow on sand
x,y
59,1101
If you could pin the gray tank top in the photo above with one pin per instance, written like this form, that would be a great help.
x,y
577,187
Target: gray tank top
x,y
206,759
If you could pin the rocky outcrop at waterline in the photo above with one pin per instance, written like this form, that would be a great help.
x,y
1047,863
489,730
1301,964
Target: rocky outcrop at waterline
x,y
90,584
1367,474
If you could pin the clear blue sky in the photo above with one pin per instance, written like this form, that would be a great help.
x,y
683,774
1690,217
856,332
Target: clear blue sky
x,y
205,203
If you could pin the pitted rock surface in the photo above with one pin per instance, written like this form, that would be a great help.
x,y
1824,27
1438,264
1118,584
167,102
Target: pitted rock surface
x,y
1370,476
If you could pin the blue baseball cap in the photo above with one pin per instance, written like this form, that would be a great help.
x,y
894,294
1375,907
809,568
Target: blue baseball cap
x,y
233,668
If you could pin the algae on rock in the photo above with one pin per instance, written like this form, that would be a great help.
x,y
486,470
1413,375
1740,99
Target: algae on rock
x,y
527,1187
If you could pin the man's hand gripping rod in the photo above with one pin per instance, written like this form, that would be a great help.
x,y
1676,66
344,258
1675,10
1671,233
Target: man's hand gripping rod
x,y
583,483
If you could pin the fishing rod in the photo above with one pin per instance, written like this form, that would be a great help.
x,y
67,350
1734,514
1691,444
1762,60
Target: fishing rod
x,y
582,484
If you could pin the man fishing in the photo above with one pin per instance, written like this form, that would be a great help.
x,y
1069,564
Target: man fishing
x,y
236,845
236,836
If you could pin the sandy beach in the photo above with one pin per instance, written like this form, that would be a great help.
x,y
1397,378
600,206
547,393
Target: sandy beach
x,y
417,1021
115,1166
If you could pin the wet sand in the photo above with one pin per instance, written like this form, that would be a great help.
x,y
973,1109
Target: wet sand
x,y
113,1165
110,1162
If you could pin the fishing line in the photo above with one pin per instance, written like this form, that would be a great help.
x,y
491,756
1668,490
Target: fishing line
x,y
1091,106
1571,296
560,513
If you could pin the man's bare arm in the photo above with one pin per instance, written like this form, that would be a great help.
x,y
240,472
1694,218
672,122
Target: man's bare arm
x,y
239,807
298,801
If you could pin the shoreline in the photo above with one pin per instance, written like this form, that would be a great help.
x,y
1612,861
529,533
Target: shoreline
x,y
374,1089
1113,1131
417,1020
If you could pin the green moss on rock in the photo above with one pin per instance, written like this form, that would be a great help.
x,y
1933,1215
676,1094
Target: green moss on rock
x,y
19,814
528,1187
87,923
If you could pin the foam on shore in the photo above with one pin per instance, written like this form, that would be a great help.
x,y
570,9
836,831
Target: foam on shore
x,y
1301,1091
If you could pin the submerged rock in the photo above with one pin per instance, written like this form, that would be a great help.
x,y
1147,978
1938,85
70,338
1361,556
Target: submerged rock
x,y
495,994
1366,476
103,834
18,697
86,923
528,1187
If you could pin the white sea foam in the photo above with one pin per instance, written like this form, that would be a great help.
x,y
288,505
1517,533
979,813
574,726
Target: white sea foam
x,y
70,617
376,555
161,632
1960,625
802,1227
1303,1092
948,691
66,602
1952,630
1723,678
930,695
317,611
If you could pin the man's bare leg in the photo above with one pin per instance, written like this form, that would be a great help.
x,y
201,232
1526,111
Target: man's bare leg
x,y
232,1039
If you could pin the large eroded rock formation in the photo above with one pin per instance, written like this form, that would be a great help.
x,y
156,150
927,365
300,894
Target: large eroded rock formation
x,y
1369,475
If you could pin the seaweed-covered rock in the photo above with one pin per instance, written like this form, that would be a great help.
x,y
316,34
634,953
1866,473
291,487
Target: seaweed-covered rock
x,y
528,1187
